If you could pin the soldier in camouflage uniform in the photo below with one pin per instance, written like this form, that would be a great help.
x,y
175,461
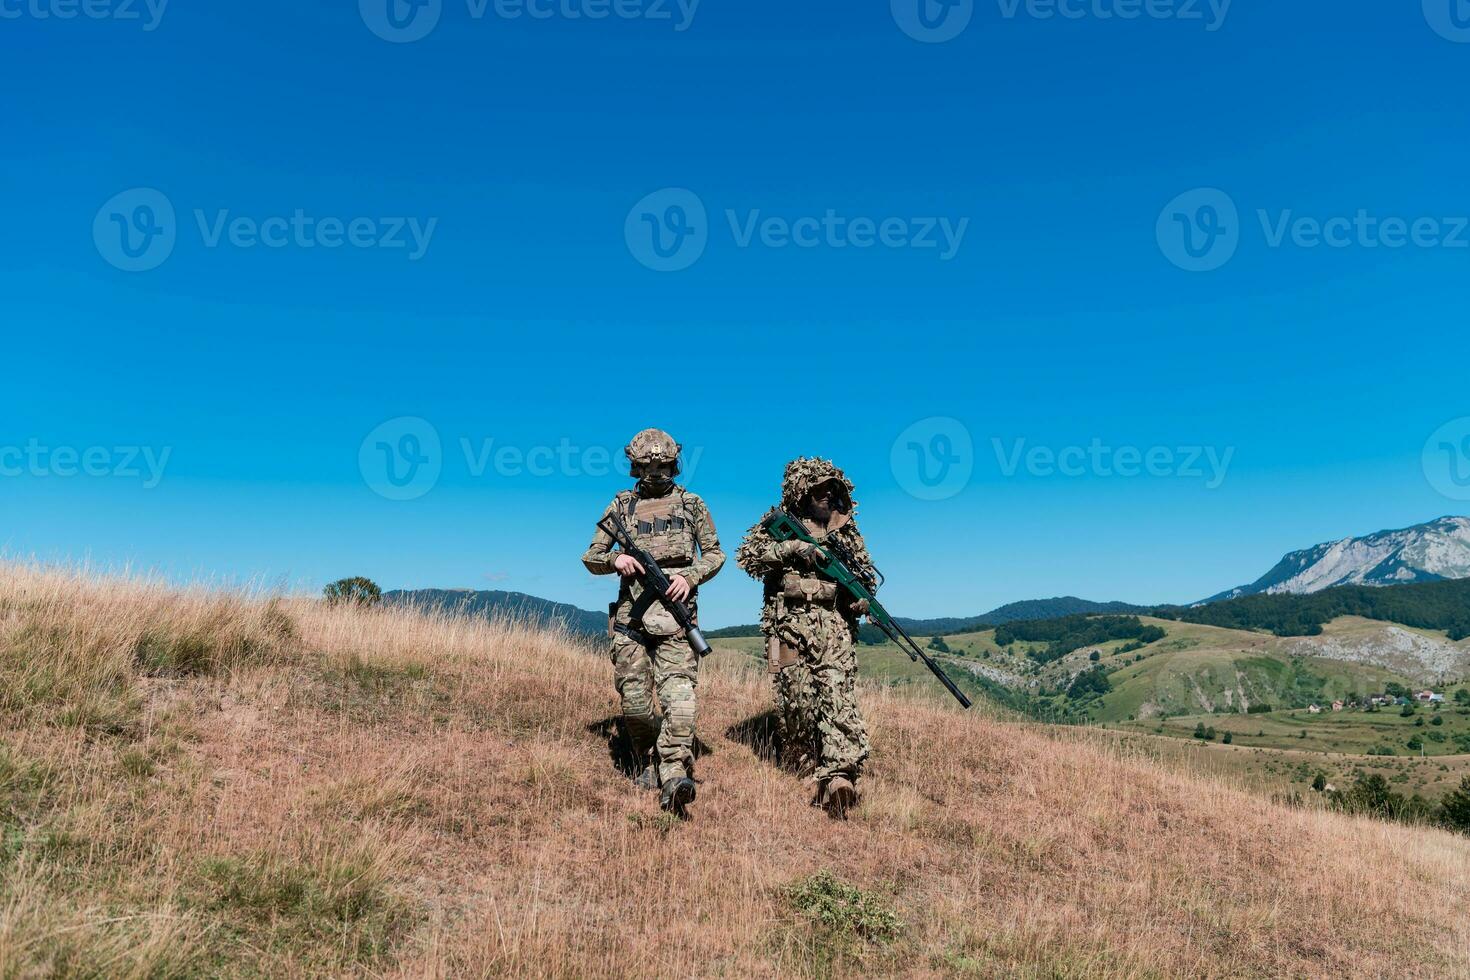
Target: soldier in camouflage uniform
x,y
811,630
651,655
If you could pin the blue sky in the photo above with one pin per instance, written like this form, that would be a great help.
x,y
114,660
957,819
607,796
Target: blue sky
x,y
1062,312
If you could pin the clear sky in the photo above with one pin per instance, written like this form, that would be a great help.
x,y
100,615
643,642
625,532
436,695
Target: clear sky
x,y
935,244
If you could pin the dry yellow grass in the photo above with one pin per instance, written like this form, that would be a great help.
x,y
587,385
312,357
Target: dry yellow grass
x,y
197,783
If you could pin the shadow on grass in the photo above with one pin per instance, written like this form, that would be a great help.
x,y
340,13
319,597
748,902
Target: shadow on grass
x,y
620,747
761,734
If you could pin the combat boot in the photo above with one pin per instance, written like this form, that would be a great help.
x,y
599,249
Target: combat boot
x,y
677,795
647,779
838,796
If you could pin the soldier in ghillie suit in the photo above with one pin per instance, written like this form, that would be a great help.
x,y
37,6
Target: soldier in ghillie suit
x,y
650,654
811,630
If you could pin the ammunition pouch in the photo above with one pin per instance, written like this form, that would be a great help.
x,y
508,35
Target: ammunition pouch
x,y
780,654
805,591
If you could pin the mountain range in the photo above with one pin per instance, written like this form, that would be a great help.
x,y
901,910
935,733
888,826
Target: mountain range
x,y
1428,552
1433,551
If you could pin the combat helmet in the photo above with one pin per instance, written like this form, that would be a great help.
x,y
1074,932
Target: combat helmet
x,y
652,446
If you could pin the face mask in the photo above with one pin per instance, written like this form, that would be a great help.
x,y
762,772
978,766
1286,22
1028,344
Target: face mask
x,y
657,482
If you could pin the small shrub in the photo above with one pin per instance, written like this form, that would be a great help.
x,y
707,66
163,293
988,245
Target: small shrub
x,y
842,910
356,590
1454,809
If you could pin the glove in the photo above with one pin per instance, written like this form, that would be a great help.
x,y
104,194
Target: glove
x,y
797,550
860,607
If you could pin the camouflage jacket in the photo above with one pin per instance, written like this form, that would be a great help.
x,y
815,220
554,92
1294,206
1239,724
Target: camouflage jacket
x,y
675,527
758,554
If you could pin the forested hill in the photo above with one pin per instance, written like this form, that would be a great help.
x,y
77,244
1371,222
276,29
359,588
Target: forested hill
x,y
1428,605
1009,613
534,611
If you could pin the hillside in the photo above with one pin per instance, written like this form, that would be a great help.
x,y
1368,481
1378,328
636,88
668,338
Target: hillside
x,y
205,784
1255,687
1427,605
1428,552
1009,613
491,604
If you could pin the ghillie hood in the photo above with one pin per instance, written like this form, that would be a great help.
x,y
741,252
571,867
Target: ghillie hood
x,y
806,472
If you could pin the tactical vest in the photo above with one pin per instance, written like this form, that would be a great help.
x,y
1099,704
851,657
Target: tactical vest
x,y
664,528
662,525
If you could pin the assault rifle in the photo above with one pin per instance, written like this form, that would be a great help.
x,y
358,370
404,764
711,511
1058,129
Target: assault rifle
x,y
783,527
655,584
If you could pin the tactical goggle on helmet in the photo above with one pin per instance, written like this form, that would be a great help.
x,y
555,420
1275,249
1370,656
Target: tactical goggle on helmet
x,y
652,446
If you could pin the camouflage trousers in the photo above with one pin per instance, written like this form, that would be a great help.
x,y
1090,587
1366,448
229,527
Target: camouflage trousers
x,y
669,671
816,698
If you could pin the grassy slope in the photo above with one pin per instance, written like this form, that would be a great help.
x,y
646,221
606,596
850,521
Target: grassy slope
x,y
289,789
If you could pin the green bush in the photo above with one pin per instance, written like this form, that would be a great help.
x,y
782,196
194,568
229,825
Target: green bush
x,y
1454,809
358,590
840,909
